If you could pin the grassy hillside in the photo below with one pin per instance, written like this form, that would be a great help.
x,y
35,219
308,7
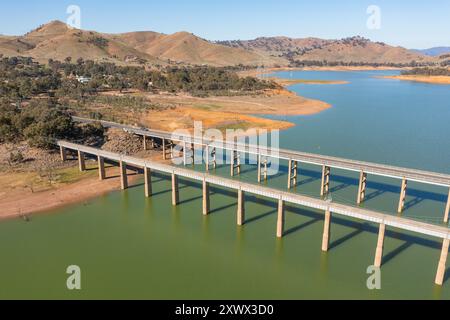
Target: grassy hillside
x,y
354,49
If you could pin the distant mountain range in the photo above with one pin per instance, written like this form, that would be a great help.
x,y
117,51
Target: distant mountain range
x,y
57,41
434,52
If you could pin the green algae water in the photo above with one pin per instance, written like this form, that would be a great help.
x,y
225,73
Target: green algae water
x,y
130,247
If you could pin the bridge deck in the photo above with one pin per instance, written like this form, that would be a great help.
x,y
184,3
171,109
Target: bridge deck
x,y
427,177
309,202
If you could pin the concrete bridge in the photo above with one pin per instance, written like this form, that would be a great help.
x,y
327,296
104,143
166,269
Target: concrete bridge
x,y
327,163
282,197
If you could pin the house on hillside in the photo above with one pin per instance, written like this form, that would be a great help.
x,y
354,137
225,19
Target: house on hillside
x,y
82,79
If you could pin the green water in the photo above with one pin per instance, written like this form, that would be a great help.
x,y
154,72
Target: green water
x,y
128,246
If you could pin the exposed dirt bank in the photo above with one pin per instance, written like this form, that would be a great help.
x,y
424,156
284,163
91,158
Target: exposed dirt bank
x,y
423,79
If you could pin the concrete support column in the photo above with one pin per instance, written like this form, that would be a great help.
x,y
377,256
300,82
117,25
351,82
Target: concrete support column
x,y
175,190
259,168
442,262
265,172
206,202
241,208
326,231
101,168
293,174
164,149
123,175
362,187
63,153
401,204
148,182
207,157
281,219
145,143
380,246
184,153
290,174
214,158
235,163
325,187
81,161
447,209
193,154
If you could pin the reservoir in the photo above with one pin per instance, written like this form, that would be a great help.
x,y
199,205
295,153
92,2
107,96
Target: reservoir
x,y
130,247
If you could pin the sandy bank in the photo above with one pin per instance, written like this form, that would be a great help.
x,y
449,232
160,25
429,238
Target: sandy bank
x,y
234,112
424,79
24,191
289,82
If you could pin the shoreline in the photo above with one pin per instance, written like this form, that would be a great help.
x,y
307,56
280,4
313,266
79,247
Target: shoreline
x,y
289,82
19,205
262,71
443,80
230,112
239,112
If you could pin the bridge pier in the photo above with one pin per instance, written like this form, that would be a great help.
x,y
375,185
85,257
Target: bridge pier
x,y
193,154
144,140
63,153
401,204
206,200
207,155
175,190
210,158
362,187
184,153
262,173
281,218
326,231
325,187
214,158
81,161
101,168
164,149
259,168
235,163
447,209
442,263
123,175
293,174
380,246
241,208
148,182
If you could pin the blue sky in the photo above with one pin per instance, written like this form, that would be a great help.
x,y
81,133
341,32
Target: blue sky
x,y
413,23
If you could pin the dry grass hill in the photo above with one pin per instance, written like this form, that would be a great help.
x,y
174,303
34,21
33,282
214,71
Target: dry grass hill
x,y
185,47
354,49
57,41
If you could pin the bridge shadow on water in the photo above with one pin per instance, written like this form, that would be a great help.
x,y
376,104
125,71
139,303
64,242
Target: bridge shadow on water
x,y
357,228
375,189
306,176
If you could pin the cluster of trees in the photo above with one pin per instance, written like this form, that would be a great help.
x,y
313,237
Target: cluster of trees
x,y
31,94
41,123
99,42
21,78
427,72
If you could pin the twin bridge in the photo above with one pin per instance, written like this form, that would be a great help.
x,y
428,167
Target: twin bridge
x,y
329,208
